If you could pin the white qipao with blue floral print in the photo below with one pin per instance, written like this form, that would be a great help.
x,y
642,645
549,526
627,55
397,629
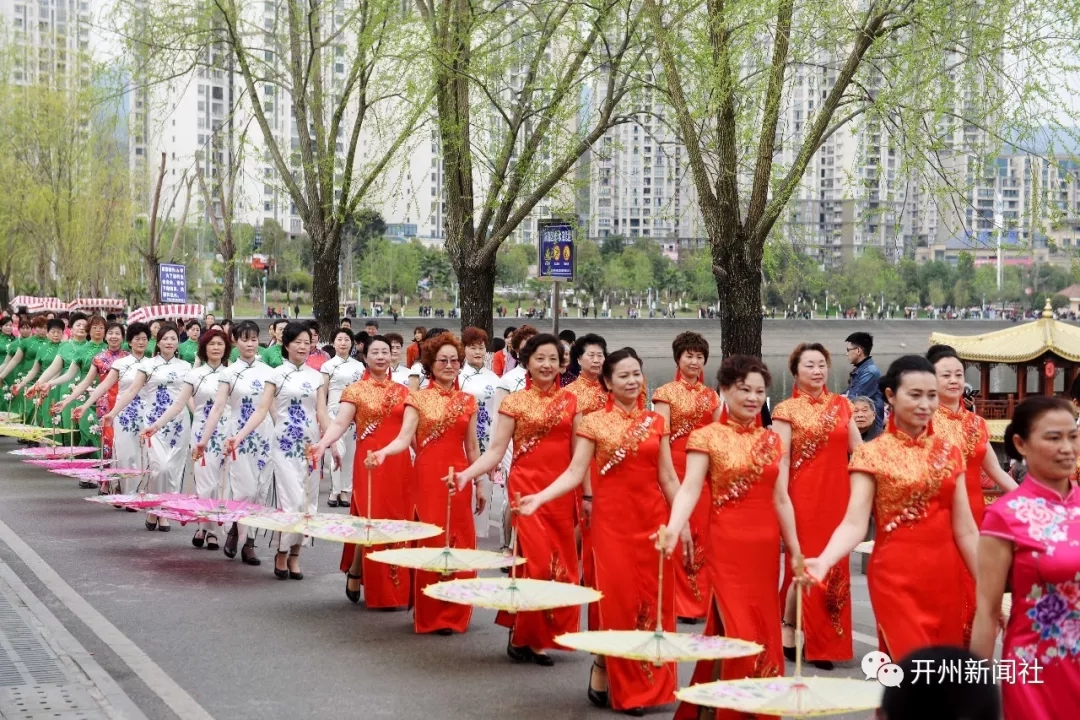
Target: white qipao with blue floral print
x,y
204,386
296,482
128,422
250,472
168,452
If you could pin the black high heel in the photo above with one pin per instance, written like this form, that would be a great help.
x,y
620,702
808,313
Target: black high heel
x,y
599,698
247,555
198,538
515,653
294,575
789,650
281,574
211,541
353,595
231,539
151,526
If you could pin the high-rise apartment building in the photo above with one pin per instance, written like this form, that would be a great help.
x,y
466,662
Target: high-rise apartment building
x,y
49,42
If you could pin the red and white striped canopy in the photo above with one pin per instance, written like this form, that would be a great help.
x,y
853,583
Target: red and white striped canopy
x,y
96,304
166,312
38,304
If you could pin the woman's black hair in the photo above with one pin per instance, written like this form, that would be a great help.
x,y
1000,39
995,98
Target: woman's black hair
x,y
578,348
1026,415
901,367
292,331
118,326
164,329
498,345
368,340
136,329
193,323
242,329
940,352
339,331
535,343
614,359
55,324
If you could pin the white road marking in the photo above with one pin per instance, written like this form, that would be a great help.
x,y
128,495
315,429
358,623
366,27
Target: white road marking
x,y
864,638
185,706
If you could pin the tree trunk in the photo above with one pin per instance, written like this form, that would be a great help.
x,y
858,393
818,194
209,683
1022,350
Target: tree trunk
x,y
228,279
324,288
5,289
738,283
477,286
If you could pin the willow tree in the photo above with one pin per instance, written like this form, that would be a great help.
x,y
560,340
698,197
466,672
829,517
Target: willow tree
x,y
328,88
940,83
522,93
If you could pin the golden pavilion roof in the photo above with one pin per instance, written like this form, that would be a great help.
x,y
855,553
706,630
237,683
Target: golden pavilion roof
x,y
1017,344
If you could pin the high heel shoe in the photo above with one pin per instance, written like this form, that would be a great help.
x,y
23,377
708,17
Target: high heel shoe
x,y
278,573
353,595
198,538
599,698
231,539
332,501
247,554
294,574
789,650
211,541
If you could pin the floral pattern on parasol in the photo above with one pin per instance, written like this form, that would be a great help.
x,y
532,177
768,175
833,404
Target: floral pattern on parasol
x,y
445,560
659,647
787,696
343,528
62,464
62,451
99,475
138,500
512,594
219,511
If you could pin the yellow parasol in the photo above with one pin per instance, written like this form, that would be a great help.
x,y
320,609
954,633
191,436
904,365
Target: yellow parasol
x,y
512,594
795,696
445,560
657,646
10,417
29,432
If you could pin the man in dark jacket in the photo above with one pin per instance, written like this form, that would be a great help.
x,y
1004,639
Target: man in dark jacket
x,y
865,377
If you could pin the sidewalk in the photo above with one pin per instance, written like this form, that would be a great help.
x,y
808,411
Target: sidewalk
x,y
44,671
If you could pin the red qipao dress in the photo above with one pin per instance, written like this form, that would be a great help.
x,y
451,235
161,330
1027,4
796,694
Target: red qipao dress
x,y
440,445
543,431
819,486
591,396
915,556
967,431
742,572
1043,629
691,406
380,411
628,507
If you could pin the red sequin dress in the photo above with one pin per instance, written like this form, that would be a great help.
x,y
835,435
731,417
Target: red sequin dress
x,y
440,445
819,487
692,406
380,411
743,546
915,556
543,432
628,507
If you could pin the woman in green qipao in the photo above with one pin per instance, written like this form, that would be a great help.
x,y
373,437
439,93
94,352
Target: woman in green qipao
x,y
48,352
21,356
189,349
57,378
8,342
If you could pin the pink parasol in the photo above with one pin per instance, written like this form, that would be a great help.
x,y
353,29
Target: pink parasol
x,y
59,464
140,501
53,452
219,511
99,475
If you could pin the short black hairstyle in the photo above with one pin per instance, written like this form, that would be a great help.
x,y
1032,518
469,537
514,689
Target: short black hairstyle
x,y
291,332
244,329
578,348
55,324
568,336
862,339
372,323
535,343
136,329
508,332
193,323
614,359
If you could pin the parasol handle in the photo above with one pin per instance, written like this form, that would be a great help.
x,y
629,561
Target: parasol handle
x,y
660,581
370,455
514,543
449,501
799,568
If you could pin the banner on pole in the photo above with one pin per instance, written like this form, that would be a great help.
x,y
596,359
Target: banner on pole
x,y
556,250
173,281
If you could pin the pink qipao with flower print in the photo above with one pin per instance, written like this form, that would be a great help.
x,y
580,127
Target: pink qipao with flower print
x,y
1042,637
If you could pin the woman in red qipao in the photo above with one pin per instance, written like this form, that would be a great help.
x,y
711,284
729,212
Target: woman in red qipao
x,y
443,420
376,405
687,404
751,511
541,420
634,484
818,432
967,431
912,479
589,351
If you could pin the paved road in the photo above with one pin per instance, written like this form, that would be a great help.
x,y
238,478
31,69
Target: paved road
x,y
188,634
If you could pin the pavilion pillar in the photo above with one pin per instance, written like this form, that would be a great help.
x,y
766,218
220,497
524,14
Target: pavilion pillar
x,y
984,380
1070,377
1021,382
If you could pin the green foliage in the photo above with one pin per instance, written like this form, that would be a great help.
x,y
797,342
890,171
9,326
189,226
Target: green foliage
x,y
1060,302
512,264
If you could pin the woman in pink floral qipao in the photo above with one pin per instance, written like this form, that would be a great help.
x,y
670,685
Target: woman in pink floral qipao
x,y
1031,539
